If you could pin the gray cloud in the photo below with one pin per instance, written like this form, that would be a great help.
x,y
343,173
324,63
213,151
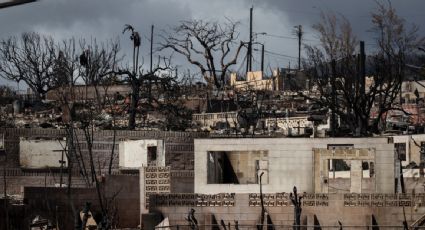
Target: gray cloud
x,y
307,12
104,19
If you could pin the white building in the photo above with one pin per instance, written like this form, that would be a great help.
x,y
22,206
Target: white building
x,y
314,165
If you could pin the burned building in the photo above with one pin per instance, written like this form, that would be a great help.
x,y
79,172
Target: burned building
x,y
343,181
36,168
313,165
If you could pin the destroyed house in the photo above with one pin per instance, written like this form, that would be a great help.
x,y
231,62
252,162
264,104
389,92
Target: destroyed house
x,y
318,165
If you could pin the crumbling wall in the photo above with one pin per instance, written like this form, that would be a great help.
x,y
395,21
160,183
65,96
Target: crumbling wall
x,y
178,145
178,152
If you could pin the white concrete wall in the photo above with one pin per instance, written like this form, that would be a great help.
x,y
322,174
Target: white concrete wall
x,y
36,154
290,162
133,154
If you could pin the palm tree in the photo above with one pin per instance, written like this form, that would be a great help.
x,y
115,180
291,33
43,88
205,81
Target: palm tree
x,y
135,37
133,77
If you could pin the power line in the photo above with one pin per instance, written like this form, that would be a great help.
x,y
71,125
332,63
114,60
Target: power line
x,y
280,36
282,55
303,39
288,37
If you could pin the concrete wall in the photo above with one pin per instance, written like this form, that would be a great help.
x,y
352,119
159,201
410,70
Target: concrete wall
x,y
37,154
16,180
290,162
331,210
182,181
133,154
121,196
178,145
178,154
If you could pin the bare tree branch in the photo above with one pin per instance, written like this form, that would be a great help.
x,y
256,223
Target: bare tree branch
x,y
206,45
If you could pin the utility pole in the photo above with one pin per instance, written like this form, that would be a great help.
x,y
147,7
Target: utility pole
x,y
151,68
333,104
249,53
151,46
362,85
262,59
299,33
362,68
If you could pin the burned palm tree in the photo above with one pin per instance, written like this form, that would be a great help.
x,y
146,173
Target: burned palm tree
x,y
297,202
135,84
137,78
135,37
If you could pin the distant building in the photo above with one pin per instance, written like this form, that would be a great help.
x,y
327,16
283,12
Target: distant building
x,y
208,120
413,91
290,125
413,102
256,81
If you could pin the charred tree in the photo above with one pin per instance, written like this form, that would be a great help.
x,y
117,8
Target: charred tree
x,y
30,59
209,46
296,200
344,81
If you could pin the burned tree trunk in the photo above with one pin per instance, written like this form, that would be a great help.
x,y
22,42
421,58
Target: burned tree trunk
x,y
296,201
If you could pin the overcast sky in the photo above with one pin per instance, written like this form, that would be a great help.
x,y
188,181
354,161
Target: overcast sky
x,y
104,19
